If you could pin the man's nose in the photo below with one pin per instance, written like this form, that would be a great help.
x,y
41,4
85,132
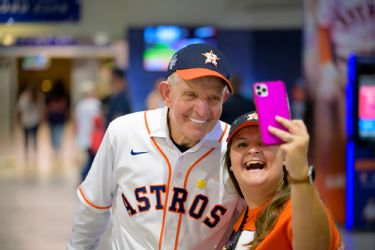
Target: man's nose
x,y
202,107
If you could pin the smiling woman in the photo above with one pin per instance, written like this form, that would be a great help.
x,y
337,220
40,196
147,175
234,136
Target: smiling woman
x,y
261,174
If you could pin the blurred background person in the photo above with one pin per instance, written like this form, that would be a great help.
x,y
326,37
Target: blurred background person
x,y
236,104
118,103
29,110
298,100
86,110
57,113
154,99
369,212
97,135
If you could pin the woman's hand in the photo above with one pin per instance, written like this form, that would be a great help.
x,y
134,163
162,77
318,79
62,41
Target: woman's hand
x,y
295,146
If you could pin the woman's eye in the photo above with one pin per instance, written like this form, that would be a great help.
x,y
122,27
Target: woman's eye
x,y
242,145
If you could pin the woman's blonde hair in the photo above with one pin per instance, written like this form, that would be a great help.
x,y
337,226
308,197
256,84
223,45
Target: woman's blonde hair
x,y
269,215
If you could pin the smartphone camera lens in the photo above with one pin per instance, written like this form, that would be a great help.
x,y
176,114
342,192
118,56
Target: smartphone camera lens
x,y
261,90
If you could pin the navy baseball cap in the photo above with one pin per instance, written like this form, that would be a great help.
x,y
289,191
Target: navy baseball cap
x,y
198,60
245,120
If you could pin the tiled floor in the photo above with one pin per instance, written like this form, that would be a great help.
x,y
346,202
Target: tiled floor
x,y
37,195
38,198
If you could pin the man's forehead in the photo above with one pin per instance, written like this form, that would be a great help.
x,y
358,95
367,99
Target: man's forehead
x,y
207,82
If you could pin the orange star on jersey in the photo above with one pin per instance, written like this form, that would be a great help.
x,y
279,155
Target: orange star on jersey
x,y
211,58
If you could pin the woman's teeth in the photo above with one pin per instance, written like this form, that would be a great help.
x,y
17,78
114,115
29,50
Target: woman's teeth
x,y
254,165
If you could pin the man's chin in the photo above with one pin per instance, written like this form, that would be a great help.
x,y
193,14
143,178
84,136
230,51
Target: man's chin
x,y
196,132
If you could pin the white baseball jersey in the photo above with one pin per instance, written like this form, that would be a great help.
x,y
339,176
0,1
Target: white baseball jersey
x,y
352,25
161,198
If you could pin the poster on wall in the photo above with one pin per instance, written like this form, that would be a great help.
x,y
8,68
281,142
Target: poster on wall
x,y
334,29
31,11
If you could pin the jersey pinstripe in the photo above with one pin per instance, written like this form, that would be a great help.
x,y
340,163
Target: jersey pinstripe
x,y
161,198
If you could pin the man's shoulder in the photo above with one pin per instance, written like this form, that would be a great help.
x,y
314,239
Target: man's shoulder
x,y
135,119
127,119
224,126
133,125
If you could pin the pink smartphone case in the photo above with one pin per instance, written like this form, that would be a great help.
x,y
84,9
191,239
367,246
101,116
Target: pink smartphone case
x,y
271,99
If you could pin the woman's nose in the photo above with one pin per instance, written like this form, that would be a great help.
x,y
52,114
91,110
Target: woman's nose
x,y
253,149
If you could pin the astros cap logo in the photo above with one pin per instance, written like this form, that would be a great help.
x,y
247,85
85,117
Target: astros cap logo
x,y
211,58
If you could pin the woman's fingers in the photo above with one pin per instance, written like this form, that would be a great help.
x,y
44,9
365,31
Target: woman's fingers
x,y
283,135
301,125
288,124
294,126
296,129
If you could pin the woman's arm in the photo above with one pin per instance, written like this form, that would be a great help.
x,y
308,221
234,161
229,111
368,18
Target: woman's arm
x,y
311,229
309,218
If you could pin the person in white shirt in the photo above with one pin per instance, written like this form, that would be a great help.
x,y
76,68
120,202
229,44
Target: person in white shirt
x,y
159,173
29,109
87,108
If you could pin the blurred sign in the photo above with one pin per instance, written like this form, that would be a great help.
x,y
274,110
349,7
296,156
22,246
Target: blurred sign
x,y
360,153
46,41
39,11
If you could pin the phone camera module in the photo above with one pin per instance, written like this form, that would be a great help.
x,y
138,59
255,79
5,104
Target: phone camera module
x,y
261,90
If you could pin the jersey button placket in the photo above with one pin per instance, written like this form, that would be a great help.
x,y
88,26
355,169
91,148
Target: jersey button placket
x,y
179,171
172,218
178,182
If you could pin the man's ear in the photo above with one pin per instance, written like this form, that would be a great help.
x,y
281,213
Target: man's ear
x,y
166,92
226,95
